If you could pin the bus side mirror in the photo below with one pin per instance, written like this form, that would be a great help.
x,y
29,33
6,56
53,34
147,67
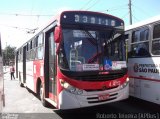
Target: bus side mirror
x,y
57,34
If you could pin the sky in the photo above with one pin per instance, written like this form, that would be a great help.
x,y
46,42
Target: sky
x,y
18,17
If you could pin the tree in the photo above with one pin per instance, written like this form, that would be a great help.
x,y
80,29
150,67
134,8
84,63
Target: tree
x,y
8,55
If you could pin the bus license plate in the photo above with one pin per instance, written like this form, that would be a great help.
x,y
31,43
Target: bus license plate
x,y
103,97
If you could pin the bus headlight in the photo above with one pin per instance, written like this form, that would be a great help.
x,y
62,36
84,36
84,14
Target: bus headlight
x,y
70,88
125,84
127,79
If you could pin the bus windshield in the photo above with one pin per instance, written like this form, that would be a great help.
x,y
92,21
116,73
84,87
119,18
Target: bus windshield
x,y
88,50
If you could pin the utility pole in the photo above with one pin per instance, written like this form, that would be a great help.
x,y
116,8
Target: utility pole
x,y
130,12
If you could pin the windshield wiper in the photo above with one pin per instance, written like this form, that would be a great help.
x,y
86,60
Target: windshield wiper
x,y
92,40
113,35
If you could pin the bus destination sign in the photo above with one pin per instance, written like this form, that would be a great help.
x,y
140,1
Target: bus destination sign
x,y
81,17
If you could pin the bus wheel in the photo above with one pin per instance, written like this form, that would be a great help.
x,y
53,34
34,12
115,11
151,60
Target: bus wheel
x,y
41,96
20,83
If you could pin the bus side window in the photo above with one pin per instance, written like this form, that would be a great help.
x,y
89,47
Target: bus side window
x,y
156,31
30,47
20,54
28,51
135,36
133,50
144,33
35,44
140,43
31,50
156,40
40,47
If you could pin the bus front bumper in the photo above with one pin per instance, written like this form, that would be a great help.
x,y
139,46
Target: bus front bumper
x,y
68,100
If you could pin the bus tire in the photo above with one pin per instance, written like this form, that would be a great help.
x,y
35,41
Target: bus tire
x,y
20,83
41,96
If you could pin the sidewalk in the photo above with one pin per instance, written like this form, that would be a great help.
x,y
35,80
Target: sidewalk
x,y
20,100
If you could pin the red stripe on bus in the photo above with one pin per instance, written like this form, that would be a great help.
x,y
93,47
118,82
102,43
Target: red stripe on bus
x,y
89,84
143,78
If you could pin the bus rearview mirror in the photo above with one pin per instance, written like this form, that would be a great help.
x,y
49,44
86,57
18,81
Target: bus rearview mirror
x,y
57,34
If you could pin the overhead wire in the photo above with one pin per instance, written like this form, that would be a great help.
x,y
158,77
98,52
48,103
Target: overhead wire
x,y
24,15
135,18
142,10
89,7
108,10
28,30
124,16
27,15
92,5
86,4
115,8
32,7
145,13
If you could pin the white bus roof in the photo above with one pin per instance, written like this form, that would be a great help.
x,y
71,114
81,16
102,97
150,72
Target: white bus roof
x,y
142,23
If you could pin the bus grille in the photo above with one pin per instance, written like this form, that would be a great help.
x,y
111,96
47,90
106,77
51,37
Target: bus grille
x,y
100,77
92,90
92,100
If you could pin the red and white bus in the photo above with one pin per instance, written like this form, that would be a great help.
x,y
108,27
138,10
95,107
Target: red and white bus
x,y
143,59
78,60
1,80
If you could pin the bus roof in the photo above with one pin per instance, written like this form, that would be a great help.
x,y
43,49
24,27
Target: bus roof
x,y
142,23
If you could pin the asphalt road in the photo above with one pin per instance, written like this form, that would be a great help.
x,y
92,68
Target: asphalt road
x,y
23,104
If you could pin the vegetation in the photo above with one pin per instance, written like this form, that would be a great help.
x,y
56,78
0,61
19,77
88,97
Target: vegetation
x,y
8,55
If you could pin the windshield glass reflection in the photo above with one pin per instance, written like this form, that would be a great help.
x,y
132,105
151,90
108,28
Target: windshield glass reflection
x,y
83,50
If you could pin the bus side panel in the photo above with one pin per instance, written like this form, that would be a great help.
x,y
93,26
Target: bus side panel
x,y
131,86
150,91
20,70
147,68
145,78
137,88
29,75
38,69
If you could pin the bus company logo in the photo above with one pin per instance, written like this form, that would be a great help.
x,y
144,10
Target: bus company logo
x,y
135,67
104,87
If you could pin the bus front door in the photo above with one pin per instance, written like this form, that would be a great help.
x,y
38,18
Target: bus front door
x,y
51,66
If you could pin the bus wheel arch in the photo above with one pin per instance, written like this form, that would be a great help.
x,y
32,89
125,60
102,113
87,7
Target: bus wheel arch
x,y
38,85
40,92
